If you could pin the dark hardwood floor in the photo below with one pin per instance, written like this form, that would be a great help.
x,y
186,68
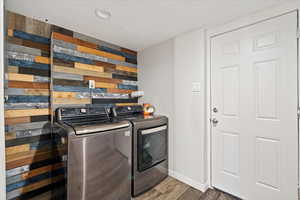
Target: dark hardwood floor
x,y
172,189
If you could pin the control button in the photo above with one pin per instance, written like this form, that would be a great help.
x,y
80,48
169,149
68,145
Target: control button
x,y
83,110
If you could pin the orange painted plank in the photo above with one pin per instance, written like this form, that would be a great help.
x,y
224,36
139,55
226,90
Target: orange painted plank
x,y
100,53
17,120
105,85
17,149
120,91
41,170
41,59
10,32
127,69
24,84
100,79
70,39
88,67
20,77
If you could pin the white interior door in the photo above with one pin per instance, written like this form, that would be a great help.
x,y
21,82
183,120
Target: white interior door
x,y
254,107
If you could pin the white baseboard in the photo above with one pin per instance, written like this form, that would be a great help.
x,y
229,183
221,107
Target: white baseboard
x,y
195,184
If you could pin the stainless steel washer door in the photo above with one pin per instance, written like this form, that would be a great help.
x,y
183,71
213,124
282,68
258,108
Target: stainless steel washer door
x,y
100,166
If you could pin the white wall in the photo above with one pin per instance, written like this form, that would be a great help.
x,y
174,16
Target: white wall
x,y
2,134
189,123
166,74
156,79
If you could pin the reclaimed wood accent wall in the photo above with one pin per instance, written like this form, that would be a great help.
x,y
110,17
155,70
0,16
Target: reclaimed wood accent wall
x,y
33,168
77,58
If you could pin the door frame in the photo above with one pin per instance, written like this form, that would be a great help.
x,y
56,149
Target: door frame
x,y
233,26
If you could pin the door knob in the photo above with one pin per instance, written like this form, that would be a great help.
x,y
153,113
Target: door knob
x,y
214,121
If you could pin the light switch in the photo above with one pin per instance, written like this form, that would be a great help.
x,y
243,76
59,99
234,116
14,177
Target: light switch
x,y
196,87
92,84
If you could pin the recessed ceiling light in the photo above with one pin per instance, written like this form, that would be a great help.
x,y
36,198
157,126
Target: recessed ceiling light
x,y
102,14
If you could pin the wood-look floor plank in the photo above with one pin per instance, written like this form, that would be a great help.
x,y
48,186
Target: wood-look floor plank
x,y
172,189
210,194
151,195
191,194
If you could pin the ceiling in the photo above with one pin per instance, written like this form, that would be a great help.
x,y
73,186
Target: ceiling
x,y
138,24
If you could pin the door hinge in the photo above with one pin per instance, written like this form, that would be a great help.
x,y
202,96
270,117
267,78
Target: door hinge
x,y
298,112
298,33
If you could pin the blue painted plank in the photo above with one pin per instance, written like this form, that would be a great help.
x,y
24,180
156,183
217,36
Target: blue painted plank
x,y
60,88
99,90
31,37
17,106
66,57
27,99
29,64
127,87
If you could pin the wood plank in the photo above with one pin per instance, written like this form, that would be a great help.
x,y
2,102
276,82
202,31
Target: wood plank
x,y
26,113
43,92
17,149
10,32
88,67
67,101
66,95
81,72
22,49
64,63
41,59
61,30
37,27
10,136
127,69
17,120
15,21
26,158
13,69
65,82
21,91
34,71
41,170
105,64
105,85
120,91
36,45
104,80
127,104
129,51
40,184
19,77
100,53
66,38
23,84
124,77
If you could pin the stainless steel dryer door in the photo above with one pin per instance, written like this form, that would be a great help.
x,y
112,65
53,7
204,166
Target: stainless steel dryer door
x,y
99,166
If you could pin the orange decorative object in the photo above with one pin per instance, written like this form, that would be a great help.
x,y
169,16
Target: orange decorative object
x,y
148,109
